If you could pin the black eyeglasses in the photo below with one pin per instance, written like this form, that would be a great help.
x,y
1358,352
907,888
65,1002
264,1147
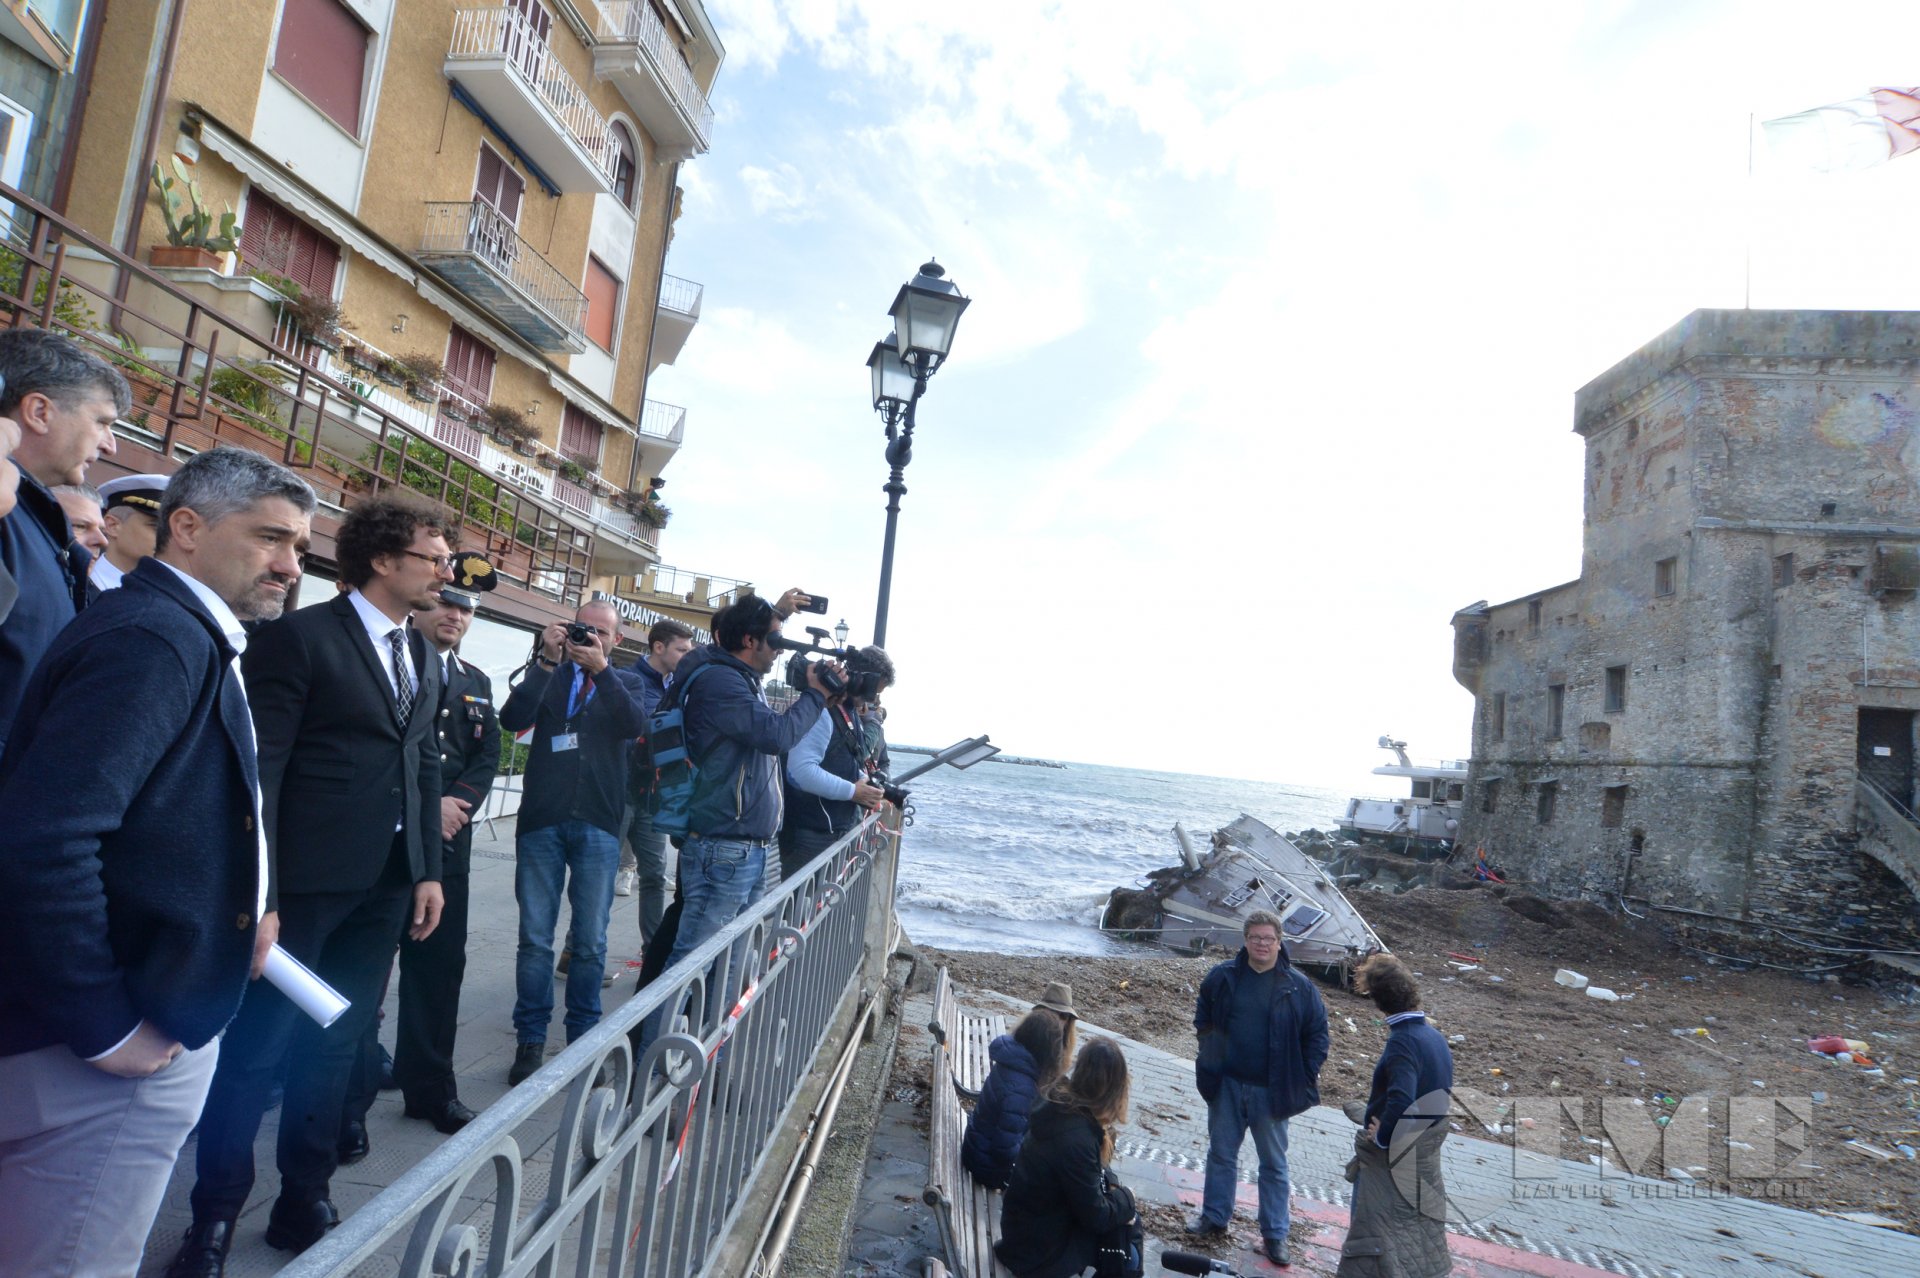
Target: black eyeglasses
x,y
441,563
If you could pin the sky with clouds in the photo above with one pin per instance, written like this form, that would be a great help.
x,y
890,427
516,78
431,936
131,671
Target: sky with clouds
x,y
1278,313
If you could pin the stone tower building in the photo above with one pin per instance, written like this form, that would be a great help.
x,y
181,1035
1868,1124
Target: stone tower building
x,y
1717,719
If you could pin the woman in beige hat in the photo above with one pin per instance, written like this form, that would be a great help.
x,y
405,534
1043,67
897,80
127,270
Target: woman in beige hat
x,y
1025,1063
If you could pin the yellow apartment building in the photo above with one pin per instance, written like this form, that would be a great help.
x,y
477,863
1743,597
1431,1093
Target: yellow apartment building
x,y
450,269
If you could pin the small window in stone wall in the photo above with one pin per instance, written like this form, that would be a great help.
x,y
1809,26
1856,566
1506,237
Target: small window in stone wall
x,y
1490,796
1549,792
1673,476
1556,710
1616,689
1497,717
1664,573
1533,616
1782,571
1613,807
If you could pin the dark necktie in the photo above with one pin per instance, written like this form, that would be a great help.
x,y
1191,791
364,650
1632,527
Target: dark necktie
x,y
402,677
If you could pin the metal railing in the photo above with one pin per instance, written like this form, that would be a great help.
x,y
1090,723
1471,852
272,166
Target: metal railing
x,y
682,296
634,21
201,378
1889,830
477,229
692,587
504,32
663,421
651,1186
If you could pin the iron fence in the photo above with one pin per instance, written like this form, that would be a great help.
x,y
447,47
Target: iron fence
x,y
663,421
680,295
476,229
644,1180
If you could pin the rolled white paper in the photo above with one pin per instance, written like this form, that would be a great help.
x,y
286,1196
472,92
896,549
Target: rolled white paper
x,y
309,993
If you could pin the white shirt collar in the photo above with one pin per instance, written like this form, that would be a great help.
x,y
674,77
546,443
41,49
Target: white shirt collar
x,y
104,574
1415,1015
214,604
378,623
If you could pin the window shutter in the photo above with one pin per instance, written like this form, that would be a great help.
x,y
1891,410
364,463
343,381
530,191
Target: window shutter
x,y
469,366
273,239
322,52
603,303
580,434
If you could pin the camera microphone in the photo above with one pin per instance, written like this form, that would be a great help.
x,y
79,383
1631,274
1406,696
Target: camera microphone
x,y
1186,1262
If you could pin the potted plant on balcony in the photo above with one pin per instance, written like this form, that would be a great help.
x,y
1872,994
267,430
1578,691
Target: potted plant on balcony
x,y
317,317
358,356
421,374
455,409
191,237
652,513
575,470
388,369
546,459
511,427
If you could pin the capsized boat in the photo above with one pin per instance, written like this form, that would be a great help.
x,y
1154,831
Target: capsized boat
x,y
1422,824
1205,899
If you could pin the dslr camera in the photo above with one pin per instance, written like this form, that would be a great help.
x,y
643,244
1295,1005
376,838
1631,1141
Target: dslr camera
x,y
579,634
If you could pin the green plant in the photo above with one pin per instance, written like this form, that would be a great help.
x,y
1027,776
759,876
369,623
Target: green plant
x,y
652,514
192,230
70,309
420,370
478,503
509,423
257,387
318,317
573,470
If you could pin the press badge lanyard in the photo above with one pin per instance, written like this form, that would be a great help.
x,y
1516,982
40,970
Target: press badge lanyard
x,y
569,739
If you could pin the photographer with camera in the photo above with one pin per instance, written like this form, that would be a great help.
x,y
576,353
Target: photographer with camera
x,y
838,771
583,714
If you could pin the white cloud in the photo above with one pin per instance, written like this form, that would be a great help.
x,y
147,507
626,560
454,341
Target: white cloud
x,y
779,193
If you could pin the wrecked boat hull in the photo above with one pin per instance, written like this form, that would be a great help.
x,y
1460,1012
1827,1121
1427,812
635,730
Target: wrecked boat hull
x,y
1205,901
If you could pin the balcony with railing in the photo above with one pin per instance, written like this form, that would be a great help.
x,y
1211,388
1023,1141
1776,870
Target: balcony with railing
x,y
674,317
664,422
475,249
500,60
634,50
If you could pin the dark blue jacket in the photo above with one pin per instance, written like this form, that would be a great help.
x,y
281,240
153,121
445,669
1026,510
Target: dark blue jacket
x,y
735,740
649,686
999,1121
588,783
1297,1036
1413,1079
33,549
128,877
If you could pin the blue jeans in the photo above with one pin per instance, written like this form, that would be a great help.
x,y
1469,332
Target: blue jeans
x,y
717,878
1238,1108
649,849
544,860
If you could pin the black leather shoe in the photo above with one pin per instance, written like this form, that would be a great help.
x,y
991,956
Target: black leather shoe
x,y
1276,1249
386,1083
449,1116
297,1226
354,1145
527,1058
204,1253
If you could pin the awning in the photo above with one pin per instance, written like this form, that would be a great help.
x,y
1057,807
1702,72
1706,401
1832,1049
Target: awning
x,y
302,199
590,405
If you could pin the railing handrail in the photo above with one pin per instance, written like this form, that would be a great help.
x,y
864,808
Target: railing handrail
x,y
634,21
649,424
503,31
477,228
186,401
669,580
794,958
680,295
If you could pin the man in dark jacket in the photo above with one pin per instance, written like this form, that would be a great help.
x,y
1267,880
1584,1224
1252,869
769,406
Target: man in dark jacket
x,y
132,897
644,863
735,740
831,773
343,695
584,714
1263,1039
64,401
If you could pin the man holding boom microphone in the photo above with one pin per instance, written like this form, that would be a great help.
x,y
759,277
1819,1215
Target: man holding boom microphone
x,y
132,897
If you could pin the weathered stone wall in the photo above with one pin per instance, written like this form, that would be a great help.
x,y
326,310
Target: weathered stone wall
x,y
1732,440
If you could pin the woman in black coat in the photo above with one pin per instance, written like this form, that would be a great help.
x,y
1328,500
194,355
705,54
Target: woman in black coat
x,y
1063,1201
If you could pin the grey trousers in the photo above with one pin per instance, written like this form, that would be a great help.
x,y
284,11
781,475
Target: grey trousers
x,y
85,1158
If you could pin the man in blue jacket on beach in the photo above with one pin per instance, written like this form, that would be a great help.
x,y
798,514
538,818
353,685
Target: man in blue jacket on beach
x,y
1263,1039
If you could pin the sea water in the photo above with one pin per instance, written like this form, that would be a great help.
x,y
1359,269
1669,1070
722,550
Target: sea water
x,y
1019,859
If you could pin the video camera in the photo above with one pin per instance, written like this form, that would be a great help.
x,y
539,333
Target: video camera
x,y
859,685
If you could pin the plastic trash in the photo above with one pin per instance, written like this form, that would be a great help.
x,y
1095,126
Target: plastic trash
x,y
1830,1044
1456,1039
1819,1098
1630,1061
1698,1031
1603,994
1570,978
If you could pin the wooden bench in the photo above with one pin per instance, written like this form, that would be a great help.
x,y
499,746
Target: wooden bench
x,y
963,1036
967,1212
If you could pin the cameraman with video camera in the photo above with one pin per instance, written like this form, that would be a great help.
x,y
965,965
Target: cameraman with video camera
x,y
838,771
583,713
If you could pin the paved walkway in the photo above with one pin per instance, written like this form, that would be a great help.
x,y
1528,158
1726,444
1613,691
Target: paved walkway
x,y
483,1053
1558,1219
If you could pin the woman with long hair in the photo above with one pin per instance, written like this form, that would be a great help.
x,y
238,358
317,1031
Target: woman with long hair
x,y
1398,1229
1025,1064
1063,1207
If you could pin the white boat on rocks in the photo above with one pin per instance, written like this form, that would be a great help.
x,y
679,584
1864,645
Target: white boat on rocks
x,y
1423,823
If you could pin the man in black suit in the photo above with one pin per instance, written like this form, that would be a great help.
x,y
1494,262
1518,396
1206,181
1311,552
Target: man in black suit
x,y
343,695
132,897
468,733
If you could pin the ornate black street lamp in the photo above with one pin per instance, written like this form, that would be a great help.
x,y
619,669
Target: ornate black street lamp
x,y
925,314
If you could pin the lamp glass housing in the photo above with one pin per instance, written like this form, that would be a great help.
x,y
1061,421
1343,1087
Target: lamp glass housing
x,y
925,314
892,379
840,633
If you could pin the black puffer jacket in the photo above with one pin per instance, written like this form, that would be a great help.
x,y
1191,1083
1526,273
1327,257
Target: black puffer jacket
x,y
999,1121
1059,1203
